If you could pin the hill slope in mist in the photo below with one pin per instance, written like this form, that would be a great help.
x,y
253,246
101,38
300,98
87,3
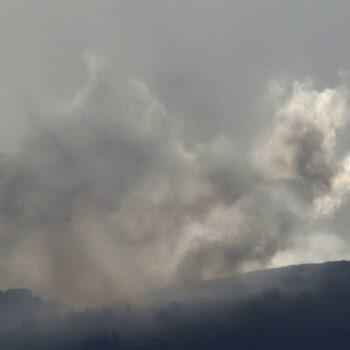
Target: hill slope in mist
x,y
289,280
295,307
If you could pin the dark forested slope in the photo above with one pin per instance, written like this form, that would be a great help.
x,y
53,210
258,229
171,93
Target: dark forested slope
x,y
296,307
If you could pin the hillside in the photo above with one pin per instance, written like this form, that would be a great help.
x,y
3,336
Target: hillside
x,y
295,307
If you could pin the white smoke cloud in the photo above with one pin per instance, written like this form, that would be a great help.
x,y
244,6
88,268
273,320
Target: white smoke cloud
x,y
301,182
301,144
105,198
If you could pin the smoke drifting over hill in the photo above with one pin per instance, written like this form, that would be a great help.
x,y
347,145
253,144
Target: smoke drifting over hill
x,y
106,199
151,143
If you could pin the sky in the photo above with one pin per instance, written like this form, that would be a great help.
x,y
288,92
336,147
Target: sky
x,y
148,143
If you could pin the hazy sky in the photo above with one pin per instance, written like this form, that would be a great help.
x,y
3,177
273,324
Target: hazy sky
x,y
153,142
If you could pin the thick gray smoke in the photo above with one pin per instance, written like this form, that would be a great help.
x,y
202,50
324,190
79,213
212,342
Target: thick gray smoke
x,y
301,182
97,201
105,198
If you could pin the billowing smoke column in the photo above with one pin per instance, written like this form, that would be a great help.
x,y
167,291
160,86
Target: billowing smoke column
x,y
105,199
300,182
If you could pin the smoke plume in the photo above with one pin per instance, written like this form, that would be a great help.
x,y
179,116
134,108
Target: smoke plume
x,y
105,198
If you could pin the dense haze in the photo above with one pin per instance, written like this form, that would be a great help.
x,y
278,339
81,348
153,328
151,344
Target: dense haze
x,y
148,143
